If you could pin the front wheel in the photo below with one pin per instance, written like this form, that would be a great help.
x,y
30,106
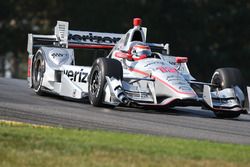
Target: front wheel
x,y
226,114
227,78
102,67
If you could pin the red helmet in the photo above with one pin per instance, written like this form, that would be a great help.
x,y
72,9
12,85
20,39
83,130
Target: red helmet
x,y
140,51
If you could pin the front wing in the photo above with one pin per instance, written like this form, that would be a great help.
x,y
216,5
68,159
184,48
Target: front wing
x,y
121,92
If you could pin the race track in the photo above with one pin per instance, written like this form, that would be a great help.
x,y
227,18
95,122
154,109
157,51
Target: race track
x,y
19,103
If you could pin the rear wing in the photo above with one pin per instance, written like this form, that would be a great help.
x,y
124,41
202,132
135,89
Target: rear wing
x,y
63,37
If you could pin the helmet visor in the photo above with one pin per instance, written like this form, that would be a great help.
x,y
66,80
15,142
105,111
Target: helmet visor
x,y
143,52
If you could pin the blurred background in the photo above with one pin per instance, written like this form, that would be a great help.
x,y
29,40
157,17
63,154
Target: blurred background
x,y
211,34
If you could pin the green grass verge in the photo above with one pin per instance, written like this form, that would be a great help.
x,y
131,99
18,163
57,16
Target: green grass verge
x,y
25,145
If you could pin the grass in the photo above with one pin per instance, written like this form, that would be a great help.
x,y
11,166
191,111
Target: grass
x,y
25,145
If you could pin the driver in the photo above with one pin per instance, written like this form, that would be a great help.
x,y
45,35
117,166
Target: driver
x,y
140,51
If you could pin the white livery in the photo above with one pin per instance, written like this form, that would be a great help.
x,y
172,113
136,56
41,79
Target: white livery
x,y
134,73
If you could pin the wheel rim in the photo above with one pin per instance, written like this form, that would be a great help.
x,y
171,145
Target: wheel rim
x,y
216,80
95,83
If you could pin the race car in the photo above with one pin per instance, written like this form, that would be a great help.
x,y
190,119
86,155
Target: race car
x,y
135,73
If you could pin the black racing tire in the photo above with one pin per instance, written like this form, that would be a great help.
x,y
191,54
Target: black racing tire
x,y
226,114
38,69
227,78
102,67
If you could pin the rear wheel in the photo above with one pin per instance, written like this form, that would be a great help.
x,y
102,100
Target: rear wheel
x,y
102,67
38,69
227,78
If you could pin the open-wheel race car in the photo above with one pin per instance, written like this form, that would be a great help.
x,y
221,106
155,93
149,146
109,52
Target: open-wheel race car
x,y
134,73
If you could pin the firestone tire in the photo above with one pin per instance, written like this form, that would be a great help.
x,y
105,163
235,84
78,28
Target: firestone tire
x,y
38,69
227,78
102,67
226,114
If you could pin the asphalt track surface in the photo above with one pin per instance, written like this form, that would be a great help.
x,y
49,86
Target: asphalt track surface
x,y
19,103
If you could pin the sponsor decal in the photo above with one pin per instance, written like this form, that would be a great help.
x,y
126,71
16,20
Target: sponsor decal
x,y
180,83
74,93
165,69
172,63
54,55
185,88
174,78
29,67
91,38
76,76
153,63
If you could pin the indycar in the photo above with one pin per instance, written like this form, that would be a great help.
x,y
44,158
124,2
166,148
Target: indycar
x,y
154,79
